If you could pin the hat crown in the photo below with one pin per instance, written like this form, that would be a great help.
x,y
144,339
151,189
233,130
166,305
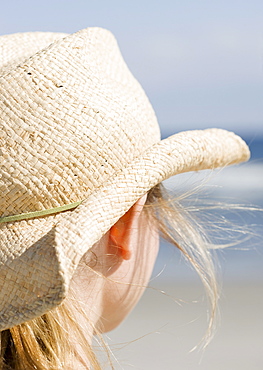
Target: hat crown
x,y
71,116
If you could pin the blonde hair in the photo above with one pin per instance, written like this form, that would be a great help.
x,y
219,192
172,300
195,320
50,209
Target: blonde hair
x,y
45,342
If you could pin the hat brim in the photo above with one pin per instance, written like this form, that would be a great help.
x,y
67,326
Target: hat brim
x,y
39,256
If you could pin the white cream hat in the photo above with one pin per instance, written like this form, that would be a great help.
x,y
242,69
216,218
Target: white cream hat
x,y
75,126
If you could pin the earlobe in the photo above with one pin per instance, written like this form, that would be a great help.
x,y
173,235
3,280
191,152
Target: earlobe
x,y
121,233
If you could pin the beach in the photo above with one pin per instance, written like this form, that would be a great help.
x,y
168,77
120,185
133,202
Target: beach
x,y
160,332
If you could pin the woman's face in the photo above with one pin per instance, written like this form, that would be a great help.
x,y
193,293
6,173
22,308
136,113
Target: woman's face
x,y
110,286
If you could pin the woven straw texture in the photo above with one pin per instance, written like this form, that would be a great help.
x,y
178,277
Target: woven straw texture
x,y
75,125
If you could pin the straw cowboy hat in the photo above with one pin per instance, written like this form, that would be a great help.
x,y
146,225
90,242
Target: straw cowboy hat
x,y
78,135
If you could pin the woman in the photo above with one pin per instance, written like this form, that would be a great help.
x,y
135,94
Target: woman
x,y
81,204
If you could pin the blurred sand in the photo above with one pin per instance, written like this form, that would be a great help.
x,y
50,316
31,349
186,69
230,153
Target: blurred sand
x,y
168,330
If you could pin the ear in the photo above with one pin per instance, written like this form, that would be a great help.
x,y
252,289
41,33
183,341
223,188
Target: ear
x,y
121,233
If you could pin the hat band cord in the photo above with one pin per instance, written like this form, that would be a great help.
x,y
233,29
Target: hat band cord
x,y
45,212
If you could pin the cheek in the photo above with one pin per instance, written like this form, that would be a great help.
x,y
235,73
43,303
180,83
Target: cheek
x,y
127,285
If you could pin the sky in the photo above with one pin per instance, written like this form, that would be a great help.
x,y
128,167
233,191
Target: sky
x,y
200,62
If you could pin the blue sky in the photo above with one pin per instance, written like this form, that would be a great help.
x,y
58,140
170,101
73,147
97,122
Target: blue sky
x,y
200,62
